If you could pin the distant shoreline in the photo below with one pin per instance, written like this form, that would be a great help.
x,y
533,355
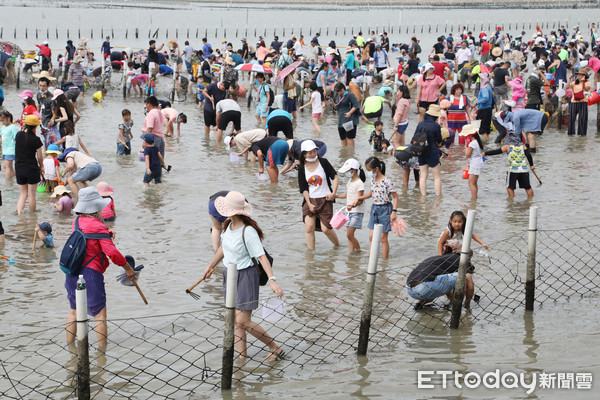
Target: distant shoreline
x,y
304,4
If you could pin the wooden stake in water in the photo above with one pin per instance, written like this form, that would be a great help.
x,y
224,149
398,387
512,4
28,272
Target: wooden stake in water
x,y
459,288
530,275
367,309
228,340
83,360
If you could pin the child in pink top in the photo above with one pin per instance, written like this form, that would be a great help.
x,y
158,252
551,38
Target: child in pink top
x,y
518,94
108,213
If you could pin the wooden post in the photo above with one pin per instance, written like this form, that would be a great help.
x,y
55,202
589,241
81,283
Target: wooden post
x,y
530,278
459,288
228,340
367,309
83,359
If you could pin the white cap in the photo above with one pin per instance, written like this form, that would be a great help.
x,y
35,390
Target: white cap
x,y
45,42
349,164
227,141
308,145
428,66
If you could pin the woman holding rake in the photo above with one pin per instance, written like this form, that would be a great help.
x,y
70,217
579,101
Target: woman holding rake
x,y
241,241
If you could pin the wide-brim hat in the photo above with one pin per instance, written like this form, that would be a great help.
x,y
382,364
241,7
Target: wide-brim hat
x,y
60,190
90,201
434,110
77,59
233,204
497,51
468,130
583,71
44,74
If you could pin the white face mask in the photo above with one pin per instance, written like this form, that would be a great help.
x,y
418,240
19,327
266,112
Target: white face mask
x,y
349,174
370,174
313,159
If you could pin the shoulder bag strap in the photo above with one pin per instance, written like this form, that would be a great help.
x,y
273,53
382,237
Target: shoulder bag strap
x,y
254,260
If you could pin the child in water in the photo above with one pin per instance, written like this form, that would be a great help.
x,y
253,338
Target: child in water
x,y
71,139
385,202
317,108
377,136
452,237
65,202
354,189
44,232
109,213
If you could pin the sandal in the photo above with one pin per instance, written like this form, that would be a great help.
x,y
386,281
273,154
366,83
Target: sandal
x,y
275,356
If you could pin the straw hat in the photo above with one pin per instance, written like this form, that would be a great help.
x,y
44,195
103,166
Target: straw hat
x,y
468,130
583,71
44,74
31,120
77,59
60,190
104,189
497,51
433,110
233,204
90,201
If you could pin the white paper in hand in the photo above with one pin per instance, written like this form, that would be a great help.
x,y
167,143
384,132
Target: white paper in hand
x,y
272,309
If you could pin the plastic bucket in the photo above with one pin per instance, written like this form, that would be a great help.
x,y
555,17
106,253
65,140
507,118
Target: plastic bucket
x,y
594,98
339,219
141,156
41,187
465,172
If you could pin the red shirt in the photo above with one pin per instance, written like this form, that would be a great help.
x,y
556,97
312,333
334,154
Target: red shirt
x,y
485,48
100,262
45,50
440,67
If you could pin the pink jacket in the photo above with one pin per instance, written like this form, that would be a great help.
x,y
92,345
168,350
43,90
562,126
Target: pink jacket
x,y
94,246
518,89
402,108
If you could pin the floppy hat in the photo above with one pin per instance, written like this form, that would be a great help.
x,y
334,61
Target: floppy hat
x,y
44,74
63,156
583,71
60,190
468,130
25,94
445,104
53,149
497,51
77,59
104,189
433,110
349,164
233,204
308,145
32,120
90,201
57,93
227,141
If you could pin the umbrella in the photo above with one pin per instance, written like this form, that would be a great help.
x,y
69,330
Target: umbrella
x,y
12,49
254,68
286,71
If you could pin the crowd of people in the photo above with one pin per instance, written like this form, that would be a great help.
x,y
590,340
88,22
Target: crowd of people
x,y
465,88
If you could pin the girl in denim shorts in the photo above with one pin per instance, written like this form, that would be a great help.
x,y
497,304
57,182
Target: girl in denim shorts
x,y
354,189
385,201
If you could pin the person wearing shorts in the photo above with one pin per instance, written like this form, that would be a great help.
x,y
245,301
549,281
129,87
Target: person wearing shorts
x,y
432,160
264,94
228,110
216,219
82,167
435,277
272,151
213,94
29,162
348,110
373,107
280,121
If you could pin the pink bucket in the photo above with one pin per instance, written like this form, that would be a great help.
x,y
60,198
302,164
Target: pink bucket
x,y
339,219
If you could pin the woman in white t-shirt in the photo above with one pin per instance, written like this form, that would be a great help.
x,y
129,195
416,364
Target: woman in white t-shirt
x,y
318,183
474,153
317,107
354,189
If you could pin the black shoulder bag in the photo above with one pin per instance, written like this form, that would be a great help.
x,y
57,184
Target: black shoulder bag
x,y
262,275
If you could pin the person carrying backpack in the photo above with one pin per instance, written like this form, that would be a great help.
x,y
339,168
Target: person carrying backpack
x,y
94,263
425,144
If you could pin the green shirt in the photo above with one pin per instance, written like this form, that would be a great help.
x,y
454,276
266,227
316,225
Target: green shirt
x,y
563,54
373,104
476,71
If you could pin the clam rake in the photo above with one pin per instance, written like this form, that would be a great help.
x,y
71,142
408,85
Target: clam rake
x,y
189,290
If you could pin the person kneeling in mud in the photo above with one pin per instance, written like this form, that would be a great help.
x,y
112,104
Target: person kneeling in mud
x,y
435,277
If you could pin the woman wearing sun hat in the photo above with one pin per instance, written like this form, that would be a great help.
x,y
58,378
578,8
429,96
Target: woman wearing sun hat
x,y
432,160
579,102
240,242
97,253
29,167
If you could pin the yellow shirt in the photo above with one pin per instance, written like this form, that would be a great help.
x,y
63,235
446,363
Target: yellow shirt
x,y
97,97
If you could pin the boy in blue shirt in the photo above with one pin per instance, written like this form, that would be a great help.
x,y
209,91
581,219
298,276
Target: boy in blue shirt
x,y
154,161
44,232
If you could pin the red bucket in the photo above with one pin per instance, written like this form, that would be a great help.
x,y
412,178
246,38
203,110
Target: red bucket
x,y
465,172
594,98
